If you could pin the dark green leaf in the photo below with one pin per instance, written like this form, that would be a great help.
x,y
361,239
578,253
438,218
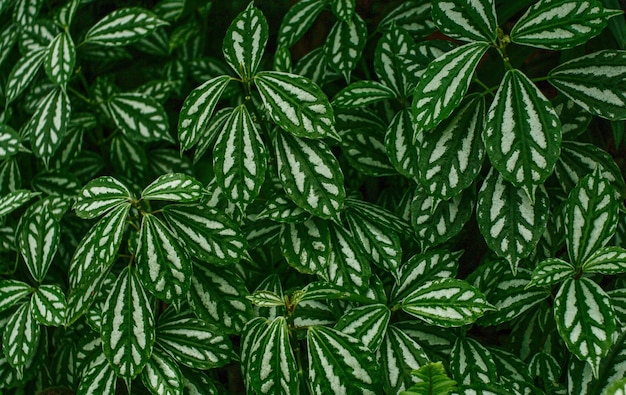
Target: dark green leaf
x,y
245,41
123,26
466,20
174,187
344,44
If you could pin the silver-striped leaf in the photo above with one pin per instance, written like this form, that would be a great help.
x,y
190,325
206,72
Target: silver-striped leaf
x,y
472,363
296,104
606,260
218,296
444,83
280,209
451,155
365,151
382,216
197,109
551,271
240,158
298,20
366,323
574,122
585,320
9,142
207,136
97,250
12,291
306,246
560,24
48,305
249,336
193,343
98,378
14,200
340,364
128,156
163,265
8,38
100,196
343,9
523,132
60,60
209,234
123,26
161,375
269,299
61,184
127,326
344,45
313,66
347,266
173,187
403,155
81,297
509,365
20,338
467,20
245,40
10,176
399,355
446,302
138,116
544,366
596,82
395,61
48,124
591,216
310,174
65,14
265,298
39,238
22,74
509,220
362,93
282,60
414,16
273,368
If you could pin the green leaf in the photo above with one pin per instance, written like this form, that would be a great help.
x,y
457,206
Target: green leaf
x,y
9,142
161,375
383,217
280,209
403,155
207,136
11,292
591,216
59,183
395,61
574,122
362,93
60,60
366,323
81,297
472,363
38,240
451,155
306,246
446,302
163,266
209,234
509,220
399,355
414,16
466,20
173,187
343,9
140,117
48,305
239,158
340,364
14,200
273,368
596,82
8,38
551,271
560,24
296,104
523,133
20,338
364,150
265,298
444,83
10,177
433,381
47,126
193,343
545,366
344,45
585,320
98,377
123,26
100,196
127,326
245,40
606,260
298,20
22,74
616,388
310,175
249,336
347,266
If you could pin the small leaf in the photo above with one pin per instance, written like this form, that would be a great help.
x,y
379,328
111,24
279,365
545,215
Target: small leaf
x,y
403,155
123,26
9,142
343,9
207,136
98,377
344,45
14,200
38,240
364,150
48,305
245,40
434,380
472,363
264,298
48,124
362,93
366,323
399,356
606,260
99,196
139,117
466,20
60,59
20,338
173,187
414,16
551,271
298,20
11,292
306,246
162,376
395,61
280,209
23,73
347,266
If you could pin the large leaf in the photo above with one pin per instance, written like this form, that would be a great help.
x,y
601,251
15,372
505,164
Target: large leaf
x,y
47,126
173,187
366,323
596,82
48,305
20,338
127,326
298,20
101,195
239,158
39,238
585,320
306,246
11,292
22,74
60,59
403,155
560,24
123,26
444,83
395,61
161,375
466,20
472,363
523,133
310,174
245,41
340,364
138,116
296,104
344,44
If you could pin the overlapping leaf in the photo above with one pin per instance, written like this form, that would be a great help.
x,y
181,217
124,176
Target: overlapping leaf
x,y
364,149
466,20
433,380
99,196
280,209
60,59
344,45
606,260
39,239
245,41
98,377
366,323
207,137
161,375
362,93
403,155
48,305
47,126
347,266
298,20
472,363
414,16
174,187
9,142
551,271
14,200
20,338
306,246
123,26
138,116
23,73
11,292
395,62
399,356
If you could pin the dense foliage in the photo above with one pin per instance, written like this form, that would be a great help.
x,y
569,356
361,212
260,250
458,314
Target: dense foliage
x,y
314,196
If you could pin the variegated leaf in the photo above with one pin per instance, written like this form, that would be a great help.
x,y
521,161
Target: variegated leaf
x,y
60,59
163,265
344,45
451,155
48,305
395,61
366,323
123,26
127,326
197,109
560,24
98,377
282,59
298,20
313,66
545,366
551,271
38,240
340,364
585,320
14,200
362,93
23,73
161,375
523,132
472,363
595,82
249,336
80,298
403,155
444,83
399,356
265,298
306,246
47,126
343,9
467,20
20,338
8,38
347,266
509,220
245,40
310,174
574,122
446,302
11,292
208,135
280,209
606,260
365,151
383,217
10,177
173,187
9,142
101,195
414,16
296,104
210,235
140,117
239,158
591,216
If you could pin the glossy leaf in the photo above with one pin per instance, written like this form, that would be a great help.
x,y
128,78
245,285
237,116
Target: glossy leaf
x,y
173,187
306,246
60,59
344,44
245,41
38,240
403,155
466,20
366,323
123,26
551,271
139,117
606,260
48,305
100,196
49,122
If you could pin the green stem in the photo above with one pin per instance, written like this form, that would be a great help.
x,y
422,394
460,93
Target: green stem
x,y
537,79
488,90
79,95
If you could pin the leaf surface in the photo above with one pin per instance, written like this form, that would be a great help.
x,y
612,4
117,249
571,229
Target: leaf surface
x,y
245,40
123,26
